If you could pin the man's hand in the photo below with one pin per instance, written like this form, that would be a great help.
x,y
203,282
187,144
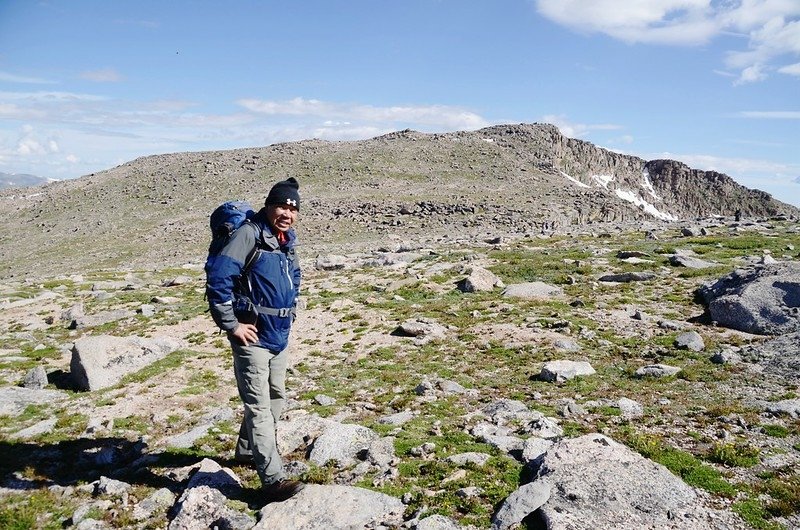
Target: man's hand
x,y
246,333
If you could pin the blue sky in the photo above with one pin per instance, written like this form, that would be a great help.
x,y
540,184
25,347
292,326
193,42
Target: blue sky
x,y
87,85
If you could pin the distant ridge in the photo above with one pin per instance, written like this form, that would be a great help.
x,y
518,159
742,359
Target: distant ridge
x,y
21,180
506,179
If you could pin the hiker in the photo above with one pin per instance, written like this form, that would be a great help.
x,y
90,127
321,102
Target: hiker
x,y
252,288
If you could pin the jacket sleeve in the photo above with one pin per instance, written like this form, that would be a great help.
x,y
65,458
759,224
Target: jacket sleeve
x,y
222,273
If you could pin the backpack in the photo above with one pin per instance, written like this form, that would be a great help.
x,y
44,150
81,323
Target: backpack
x,y
225,220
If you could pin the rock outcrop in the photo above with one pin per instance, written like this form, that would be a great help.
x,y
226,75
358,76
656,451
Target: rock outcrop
x,y
764,300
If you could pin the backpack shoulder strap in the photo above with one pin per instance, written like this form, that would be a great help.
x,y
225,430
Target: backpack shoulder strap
x,y
253,254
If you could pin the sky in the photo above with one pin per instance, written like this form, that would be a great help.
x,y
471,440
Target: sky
x,y
86,85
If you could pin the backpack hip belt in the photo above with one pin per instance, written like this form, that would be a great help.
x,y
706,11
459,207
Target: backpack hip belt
x,y
275,311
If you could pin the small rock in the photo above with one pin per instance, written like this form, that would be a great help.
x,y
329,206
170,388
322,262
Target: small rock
x,y
560,371
690,340
630,409
657,370
324,400
36,378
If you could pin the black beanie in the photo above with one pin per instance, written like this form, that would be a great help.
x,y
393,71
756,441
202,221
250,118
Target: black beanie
x,y
284,192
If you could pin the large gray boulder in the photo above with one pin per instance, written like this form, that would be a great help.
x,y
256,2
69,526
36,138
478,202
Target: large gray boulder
x,y
690,262
204,503
764,300
561,370
595,482
342,442
102,361
779,356
325,507
14,400
533,291
299,428
479,279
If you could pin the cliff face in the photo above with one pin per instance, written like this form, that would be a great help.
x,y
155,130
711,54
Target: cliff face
x,y
653,188
518,179
697,193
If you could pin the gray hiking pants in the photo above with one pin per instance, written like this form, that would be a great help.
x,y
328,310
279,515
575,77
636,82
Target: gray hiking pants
x,y
261,380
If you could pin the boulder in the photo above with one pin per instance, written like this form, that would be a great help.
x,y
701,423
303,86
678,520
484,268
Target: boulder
x,y
594,482
690,340
764,300
789,407
560,371
102,361
14,400
690,262
533,291
36,378
479,279
158,501
342,442
416,327
298,428
325,507
437,522
474,458
522,502
629,408
657,370
36,429
331,262
204,504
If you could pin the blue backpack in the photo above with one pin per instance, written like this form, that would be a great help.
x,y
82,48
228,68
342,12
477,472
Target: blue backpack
x,y
225,220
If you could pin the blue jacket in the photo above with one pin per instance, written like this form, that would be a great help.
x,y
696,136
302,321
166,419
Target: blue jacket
x,y
271,286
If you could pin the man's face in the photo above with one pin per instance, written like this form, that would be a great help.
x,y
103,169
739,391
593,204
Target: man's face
x,y
281,216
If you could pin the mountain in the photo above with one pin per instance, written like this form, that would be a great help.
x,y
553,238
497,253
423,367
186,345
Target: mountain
x,y
505,179
21,180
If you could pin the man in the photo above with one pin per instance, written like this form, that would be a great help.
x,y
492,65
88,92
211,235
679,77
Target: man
x,y
252,288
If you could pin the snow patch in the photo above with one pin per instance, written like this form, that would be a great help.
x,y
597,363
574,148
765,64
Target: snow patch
x,y
603,180
644,205
647,185
488,140
576,181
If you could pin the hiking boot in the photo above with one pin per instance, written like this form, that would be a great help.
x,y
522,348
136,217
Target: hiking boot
x,y
282,490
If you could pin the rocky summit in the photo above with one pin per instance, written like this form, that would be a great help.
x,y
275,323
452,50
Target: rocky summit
x,y
506,179
500,329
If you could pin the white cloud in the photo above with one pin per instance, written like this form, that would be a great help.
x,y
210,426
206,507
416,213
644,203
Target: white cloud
x,y
438,116
105,75
72,159
625,139
772,27
772,115
292,107
31,143
648,21
751,74
13,78
48,97
791,69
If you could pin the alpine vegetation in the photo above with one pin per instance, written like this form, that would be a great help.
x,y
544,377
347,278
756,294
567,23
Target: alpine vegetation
x,y
489,333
